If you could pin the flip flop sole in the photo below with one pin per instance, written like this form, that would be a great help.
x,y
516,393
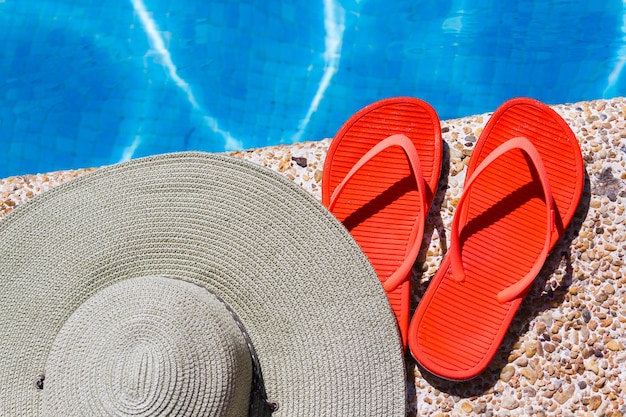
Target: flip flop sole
x,y
459,326
381,206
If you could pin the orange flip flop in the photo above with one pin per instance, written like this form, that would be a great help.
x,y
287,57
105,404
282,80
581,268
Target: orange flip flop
x,y
380,174
523,184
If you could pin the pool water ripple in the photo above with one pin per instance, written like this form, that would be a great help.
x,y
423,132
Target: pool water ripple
x,y
92,83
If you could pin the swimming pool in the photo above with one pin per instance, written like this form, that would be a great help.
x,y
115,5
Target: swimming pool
x,y
87,83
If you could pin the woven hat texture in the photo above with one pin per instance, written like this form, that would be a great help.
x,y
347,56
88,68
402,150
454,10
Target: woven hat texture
x,y
174,284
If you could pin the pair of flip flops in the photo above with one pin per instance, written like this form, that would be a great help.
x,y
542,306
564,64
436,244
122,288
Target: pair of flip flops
x,y
523,184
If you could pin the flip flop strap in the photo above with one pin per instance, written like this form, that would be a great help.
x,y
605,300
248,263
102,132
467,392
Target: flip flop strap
x,y
410,152
519,288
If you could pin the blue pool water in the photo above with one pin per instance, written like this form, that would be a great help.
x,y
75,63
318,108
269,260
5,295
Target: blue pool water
x,y
86,83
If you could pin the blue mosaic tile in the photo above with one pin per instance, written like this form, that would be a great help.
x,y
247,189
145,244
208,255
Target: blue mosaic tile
x,y
89,83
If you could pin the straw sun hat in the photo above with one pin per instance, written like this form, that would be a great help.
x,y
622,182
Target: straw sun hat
x,y
190,284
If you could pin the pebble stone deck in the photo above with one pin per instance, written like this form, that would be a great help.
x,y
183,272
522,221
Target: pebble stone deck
x,y
564,354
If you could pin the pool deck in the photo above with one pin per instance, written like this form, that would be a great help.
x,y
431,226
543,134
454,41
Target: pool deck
x,y
565,351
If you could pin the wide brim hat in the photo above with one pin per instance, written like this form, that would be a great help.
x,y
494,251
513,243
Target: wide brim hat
x,y
190,284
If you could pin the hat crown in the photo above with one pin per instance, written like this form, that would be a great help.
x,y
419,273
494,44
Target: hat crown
x,y
149,346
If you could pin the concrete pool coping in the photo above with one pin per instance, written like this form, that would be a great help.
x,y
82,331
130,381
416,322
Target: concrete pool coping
x,y
564,353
